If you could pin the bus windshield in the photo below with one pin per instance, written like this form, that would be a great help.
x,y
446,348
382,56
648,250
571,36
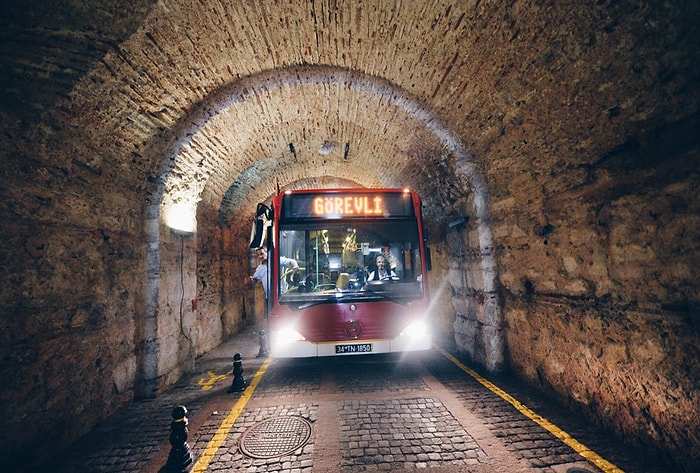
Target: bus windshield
x,y
344,260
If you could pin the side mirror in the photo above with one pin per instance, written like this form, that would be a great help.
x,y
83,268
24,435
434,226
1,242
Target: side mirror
x,y
258,235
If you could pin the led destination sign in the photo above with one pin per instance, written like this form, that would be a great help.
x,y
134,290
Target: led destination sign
x,y
347,205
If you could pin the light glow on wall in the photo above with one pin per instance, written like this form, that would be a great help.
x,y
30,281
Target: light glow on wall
x,y
182,218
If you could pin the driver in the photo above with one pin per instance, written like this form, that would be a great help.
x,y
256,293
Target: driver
x,y
383,271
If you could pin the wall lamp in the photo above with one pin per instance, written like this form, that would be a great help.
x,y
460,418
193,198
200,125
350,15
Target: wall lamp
x,y
181,233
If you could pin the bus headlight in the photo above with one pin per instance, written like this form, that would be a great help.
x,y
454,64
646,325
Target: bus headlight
x,y
416,329
287,334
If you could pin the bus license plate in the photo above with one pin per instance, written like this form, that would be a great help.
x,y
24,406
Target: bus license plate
x,y
355,348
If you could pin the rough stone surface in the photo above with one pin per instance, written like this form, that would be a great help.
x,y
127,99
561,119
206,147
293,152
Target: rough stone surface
x,y
566,134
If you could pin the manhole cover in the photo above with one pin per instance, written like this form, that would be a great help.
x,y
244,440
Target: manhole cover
x,y
275,437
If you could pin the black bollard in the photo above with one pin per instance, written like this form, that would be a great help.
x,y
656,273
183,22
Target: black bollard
x,y
238,383
180,457
262,339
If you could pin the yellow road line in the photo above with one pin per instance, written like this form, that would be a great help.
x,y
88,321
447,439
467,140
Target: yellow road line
x,y
227,424
580,448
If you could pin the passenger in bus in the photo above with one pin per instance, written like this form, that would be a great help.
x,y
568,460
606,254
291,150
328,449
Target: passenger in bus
x,y
261,271
383,272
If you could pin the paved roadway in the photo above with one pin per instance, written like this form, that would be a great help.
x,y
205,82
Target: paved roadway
x,y
422,412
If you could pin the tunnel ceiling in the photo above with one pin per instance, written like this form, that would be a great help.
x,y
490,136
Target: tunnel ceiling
x,y
205,98
300,127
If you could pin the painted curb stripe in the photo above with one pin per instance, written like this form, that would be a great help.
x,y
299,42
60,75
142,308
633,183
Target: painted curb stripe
x,y
227,424
580,448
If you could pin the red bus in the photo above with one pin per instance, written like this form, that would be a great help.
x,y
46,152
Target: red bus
x,y
358,284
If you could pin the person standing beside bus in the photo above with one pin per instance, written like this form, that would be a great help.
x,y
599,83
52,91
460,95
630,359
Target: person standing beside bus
x,y
261,271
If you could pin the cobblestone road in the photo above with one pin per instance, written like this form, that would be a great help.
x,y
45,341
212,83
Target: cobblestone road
x,y
354,414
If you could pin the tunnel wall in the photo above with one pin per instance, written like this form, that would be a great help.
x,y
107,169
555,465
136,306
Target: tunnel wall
x,y
225,300
71,307
176,319
477,323
204,297
600,296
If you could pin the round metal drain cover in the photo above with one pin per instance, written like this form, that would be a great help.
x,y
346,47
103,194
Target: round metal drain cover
x,y
275,437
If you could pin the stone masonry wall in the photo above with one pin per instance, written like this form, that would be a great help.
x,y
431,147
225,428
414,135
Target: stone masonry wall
x,y
601,296
68,297
478,324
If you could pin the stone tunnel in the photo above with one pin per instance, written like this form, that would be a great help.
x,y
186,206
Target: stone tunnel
x,y
563,136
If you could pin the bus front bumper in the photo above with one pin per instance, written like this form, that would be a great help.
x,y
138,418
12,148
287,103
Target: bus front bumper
x,y
303,348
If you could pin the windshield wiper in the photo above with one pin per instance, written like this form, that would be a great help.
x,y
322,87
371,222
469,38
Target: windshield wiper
x,y
311,304
368,294
403,300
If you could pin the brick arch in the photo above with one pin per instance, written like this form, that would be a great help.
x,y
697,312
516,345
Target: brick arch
x,y
183,167
246,89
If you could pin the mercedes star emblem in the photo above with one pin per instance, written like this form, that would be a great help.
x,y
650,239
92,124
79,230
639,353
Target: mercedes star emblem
x,y
353,329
